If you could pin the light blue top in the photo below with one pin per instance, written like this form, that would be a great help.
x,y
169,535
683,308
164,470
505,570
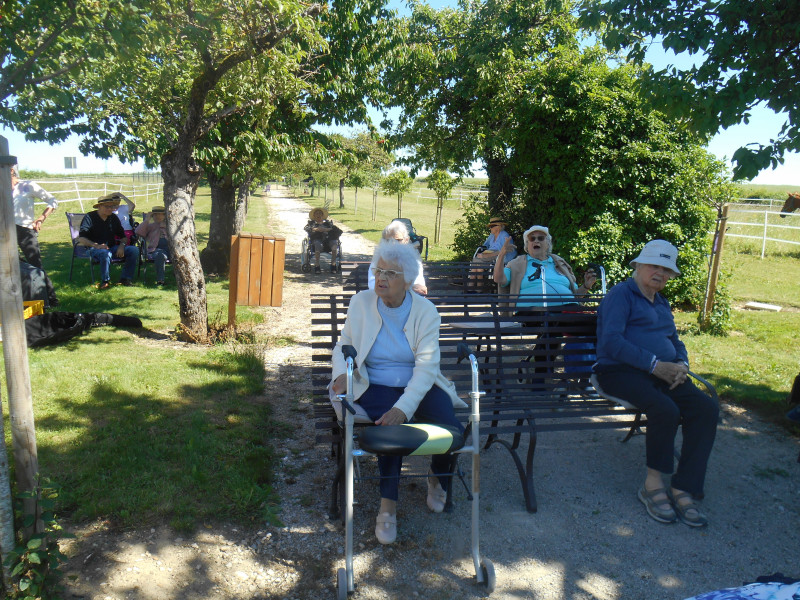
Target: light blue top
x,y
390,360
545,282
493,243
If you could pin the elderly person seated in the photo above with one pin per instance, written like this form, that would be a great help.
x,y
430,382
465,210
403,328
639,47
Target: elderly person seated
x,y
495,241
154,231
542,279
397,377
641,360
323,235
101,231
396,231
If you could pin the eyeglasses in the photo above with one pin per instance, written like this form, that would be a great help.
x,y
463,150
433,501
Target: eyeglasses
x,y
390,274
537,238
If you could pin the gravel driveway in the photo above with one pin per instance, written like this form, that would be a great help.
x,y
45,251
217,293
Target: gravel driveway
x,y
591,538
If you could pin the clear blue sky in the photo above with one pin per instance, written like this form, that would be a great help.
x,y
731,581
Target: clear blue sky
x,y
763,125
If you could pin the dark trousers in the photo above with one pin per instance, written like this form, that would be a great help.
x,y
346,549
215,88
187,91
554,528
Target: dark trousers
x,y
685,405
28,242
436,408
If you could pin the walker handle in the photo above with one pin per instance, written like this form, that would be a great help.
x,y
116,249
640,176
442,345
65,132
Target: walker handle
x,y
349,351
463,351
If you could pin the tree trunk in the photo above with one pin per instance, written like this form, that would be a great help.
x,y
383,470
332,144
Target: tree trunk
x,y
501,189
215,257
181,176
355,201
242,204
341,193
399,206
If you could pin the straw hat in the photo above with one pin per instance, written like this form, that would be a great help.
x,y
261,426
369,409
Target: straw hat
x,y
106,200
312,214
658,252
496,221
158,209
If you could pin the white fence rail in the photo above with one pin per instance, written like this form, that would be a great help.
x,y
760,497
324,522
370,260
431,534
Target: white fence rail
x,y
86,193
760,220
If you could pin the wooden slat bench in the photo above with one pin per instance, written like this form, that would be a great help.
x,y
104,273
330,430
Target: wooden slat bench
x,y
518,401
441,278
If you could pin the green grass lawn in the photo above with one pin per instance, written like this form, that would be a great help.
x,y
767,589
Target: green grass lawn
x,y
137,431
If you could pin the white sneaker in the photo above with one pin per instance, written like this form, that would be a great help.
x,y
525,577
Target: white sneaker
x,y
386,528
436,496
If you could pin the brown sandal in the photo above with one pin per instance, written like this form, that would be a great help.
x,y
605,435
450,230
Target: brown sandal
x,y
660,511
688,513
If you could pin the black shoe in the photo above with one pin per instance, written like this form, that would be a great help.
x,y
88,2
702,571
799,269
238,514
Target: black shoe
x,y
126,282
317,270
159,283
53,302
333,268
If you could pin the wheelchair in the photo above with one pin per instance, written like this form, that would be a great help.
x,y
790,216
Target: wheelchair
x,y
404,440
307,254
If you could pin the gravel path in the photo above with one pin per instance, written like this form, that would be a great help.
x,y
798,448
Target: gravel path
x,y
591,539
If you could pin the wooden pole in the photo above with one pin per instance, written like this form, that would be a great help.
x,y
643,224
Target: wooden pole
x,y
714,278
15,342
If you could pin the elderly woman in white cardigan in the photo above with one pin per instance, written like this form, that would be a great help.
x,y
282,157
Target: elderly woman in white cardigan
x,y
397,377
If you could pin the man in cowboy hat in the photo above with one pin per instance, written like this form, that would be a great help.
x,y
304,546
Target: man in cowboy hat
x,y
101,231
322,235
24,193
154,231
497,237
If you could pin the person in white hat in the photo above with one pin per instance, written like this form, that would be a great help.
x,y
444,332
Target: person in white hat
x,y
545,276
322,234
640,359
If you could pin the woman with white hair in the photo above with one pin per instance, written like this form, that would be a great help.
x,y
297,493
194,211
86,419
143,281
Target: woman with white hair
x,y
539,272
641,360
397,377
396,231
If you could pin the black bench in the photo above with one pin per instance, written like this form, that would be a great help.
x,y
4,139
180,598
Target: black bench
x,y
518,400
441,278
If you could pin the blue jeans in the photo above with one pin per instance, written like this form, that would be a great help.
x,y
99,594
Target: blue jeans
x,y
685,405
436,408
160,256
103,257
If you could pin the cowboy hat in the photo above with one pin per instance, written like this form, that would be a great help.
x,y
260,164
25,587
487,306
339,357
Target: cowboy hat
x,y
496,221
316,210
106,200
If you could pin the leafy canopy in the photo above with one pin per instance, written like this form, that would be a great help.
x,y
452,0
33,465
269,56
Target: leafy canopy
x,y
748,53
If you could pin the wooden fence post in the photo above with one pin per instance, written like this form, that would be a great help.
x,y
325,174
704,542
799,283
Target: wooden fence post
x,y
15,346
717,257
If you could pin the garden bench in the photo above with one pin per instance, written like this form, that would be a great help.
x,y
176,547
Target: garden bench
x,y
441,278
518,402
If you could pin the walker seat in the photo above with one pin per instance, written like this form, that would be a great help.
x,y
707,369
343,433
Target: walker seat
x,y
411,439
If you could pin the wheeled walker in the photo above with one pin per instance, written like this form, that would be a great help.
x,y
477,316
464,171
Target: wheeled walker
x,y
407,436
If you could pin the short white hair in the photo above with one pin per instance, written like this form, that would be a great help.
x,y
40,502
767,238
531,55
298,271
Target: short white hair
x,y
393,228
402,257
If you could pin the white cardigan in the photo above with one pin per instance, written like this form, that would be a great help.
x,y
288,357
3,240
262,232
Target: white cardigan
x,y
422,332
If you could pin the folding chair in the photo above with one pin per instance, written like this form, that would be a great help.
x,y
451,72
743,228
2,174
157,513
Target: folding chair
x,y
78,251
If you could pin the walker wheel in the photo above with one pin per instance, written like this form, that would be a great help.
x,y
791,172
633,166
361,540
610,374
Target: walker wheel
x,y
489,579
306,267
341,584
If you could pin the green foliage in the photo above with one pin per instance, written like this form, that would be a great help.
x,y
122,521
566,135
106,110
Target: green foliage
x,y
720,321
606,174
441,183
746,56
398,182
34,562
470,229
